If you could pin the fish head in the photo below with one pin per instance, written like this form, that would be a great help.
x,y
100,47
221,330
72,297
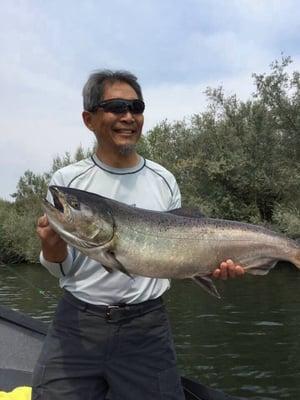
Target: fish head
x,y
79,218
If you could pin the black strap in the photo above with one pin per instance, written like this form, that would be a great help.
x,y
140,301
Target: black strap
x,y
194,390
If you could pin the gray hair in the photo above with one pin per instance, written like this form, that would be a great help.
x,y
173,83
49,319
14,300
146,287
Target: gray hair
x,y
93,90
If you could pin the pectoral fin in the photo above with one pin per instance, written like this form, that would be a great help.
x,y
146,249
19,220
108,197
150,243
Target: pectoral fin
x,y
260,266
207,284
110,262
108,269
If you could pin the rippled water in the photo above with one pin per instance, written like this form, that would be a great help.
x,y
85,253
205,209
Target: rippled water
x,y
245,344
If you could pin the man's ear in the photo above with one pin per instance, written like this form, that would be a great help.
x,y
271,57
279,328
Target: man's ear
x,y
88,120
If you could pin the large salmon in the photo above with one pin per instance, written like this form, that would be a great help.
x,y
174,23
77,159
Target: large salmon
x,y
162,244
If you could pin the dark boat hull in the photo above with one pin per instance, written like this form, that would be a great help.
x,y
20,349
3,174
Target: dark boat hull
x,y
21,340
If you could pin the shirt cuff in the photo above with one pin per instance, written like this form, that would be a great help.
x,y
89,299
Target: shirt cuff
x,y
57,269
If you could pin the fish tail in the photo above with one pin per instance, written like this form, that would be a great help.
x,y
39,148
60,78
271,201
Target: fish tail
x,y
296,260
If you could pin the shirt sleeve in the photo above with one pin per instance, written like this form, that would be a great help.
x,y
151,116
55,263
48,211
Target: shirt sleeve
x,y
176,196
58,270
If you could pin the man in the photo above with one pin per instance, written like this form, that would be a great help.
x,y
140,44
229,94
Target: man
x,y
110,333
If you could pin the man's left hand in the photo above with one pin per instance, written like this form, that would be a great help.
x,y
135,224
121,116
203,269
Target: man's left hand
x,y
228,269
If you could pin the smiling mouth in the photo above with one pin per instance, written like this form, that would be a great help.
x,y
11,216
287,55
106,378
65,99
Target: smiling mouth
x,y
125,131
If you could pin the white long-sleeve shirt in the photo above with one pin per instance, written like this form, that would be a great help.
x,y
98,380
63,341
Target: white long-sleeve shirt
x,y
147,185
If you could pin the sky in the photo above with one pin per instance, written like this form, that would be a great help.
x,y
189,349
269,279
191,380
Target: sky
x,y
176,48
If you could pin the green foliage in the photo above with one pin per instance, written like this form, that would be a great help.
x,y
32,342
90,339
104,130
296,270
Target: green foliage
x,y
6,252
240,160
18,238
17,235
30,186
67,158
288,219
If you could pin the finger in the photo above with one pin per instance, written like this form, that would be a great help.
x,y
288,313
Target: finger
x,y
49,236
216,273
234,270
43,221
239,271
44,232
223,273
231,269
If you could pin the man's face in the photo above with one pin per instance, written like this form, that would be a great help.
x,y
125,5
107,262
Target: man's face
x,y
116,133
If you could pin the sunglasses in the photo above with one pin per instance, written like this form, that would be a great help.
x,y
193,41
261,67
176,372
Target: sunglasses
x,y
121,106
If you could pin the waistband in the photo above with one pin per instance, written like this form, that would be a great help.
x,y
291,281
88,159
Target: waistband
x,y
114,312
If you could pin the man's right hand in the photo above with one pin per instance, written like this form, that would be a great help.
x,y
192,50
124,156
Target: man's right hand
x,y
54,248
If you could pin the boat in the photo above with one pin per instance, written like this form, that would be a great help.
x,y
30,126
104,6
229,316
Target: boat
x,y
21,339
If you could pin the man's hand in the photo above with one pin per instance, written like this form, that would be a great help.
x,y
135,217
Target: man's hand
x,y
53,247
228,269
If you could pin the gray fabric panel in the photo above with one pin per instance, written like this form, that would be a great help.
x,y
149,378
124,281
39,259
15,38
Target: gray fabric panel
x,y
11,378
19,347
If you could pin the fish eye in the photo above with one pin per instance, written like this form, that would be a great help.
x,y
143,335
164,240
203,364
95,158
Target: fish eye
x,y
73,202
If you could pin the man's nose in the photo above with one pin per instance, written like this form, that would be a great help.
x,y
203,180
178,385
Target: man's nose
x,y
127,116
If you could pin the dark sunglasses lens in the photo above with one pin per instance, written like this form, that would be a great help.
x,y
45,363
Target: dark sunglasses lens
x,y
116,107
137,106
122,106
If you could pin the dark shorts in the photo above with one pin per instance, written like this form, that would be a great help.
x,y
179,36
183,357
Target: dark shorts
x,y
127,355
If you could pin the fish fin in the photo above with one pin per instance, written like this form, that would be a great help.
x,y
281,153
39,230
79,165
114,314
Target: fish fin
x,y
260,266
207,284
85,244
296,259
108,269
110,262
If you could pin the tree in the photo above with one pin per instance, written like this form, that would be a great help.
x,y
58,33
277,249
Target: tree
x,y
239,160
280,92
18,239
67,158
31,185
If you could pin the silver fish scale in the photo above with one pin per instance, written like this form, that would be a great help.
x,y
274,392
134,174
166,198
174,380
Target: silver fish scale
x,y
163,245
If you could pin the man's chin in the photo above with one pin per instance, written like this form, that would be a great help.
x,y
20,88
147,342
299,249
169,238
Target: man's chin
x,y
126,149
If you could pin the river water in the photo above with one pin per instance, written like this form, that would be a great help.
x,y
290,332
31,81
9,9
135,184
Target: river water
x,y
246,344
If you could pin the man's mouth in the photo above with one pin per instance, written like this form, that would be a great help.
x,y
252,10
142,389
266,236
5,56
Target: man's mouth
x,y
124,131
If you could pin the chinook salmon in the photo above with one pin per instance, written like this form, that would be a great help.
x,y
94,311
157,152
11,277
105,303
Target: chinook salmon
x,y
162,244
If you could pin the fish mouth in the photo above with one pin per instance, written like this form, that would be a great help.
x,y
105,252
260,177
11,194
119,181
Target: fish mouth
x,y
62,208
57,209
63,219
56,195
64,201
75,221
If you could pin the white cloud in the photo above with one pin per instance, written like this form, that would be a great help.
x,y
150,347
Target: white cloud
x,y
177,101
176,48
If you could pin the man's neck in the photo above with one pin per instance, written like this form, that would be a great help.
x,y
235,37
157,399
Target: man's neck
x,y
118,160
